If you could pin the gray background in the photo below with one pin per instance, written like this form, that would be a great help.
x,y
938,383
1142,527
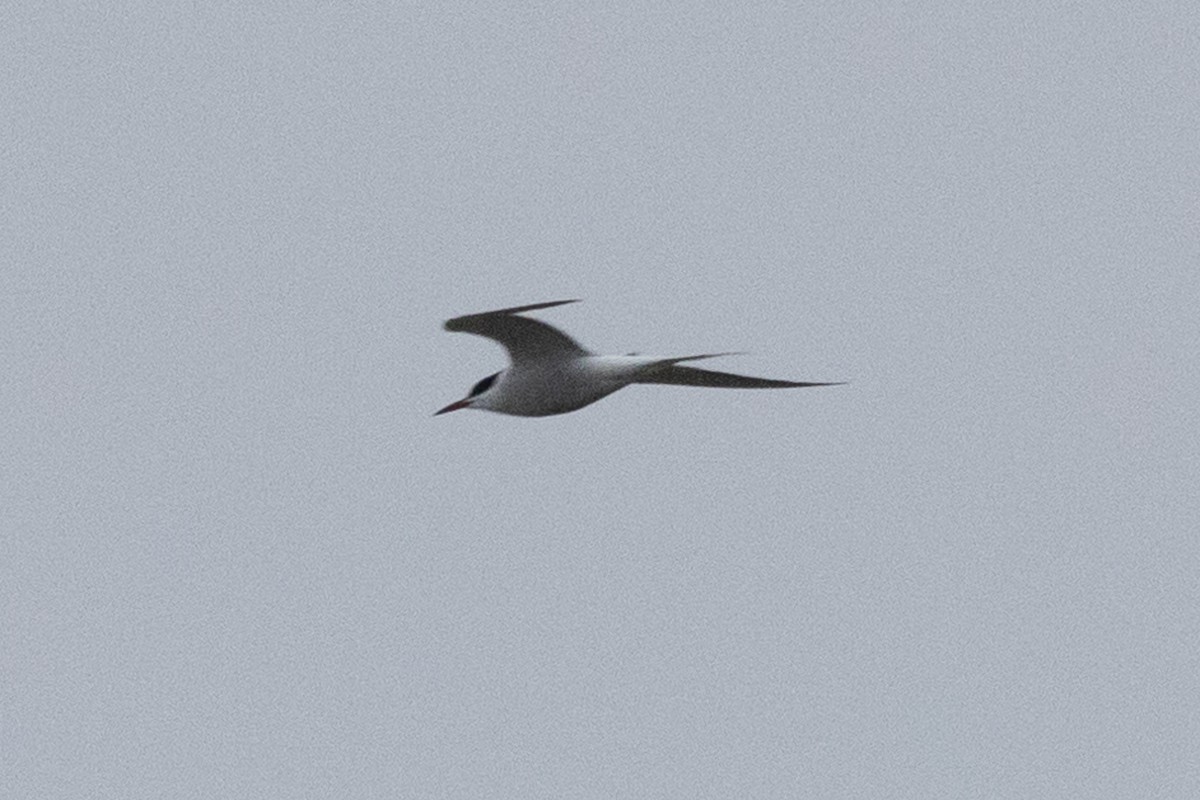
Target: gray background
x,y
241,559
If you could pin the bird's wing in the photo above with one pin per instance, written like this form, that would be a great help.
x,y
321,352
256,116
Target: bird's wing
x,y
692,376
525,339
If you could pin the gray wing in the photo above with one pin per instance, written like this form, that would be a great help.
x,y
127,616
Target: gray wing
x,y
525,339
676,375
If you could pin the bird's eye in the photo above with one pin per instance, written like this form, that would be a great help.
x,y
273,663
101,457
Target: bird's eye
x,y
483,385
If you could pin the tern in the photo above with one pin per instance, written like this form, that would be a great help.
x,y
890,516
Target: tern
x,y
552,374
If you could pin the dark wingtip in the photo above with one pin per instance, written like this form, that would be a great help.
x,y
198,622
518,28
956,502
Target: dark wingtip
x,y
453,324
807,385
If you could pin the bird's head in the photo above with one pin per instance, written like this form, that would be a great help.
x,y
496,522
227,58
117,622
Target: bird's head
x,y
477,391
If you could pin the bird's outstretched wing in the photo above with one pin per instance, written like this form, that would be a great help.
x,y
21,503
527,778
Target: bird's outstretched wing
x,y
525,339
675,375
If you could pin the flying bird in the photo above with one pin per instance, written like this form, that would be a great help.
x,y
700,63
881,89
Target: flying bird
x,y
552,374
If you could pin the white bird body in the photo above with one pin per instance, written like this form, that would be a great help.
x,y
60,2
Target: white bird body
x,y
544,387
553,374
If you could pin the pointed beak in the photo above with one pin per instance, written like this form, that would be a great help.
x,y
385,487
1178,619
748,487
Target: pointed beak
x,y
455,406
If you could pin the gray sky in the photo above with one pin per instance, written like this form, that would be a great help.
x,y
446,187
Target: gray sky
x,y
240,558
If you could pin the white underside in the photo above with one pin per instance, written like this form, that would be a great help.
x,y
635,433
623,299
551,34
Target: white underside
x,y
543,388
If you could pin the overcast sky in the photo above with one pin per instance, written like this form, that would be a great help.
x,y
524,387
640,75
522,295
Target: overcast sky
x,y
240,558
